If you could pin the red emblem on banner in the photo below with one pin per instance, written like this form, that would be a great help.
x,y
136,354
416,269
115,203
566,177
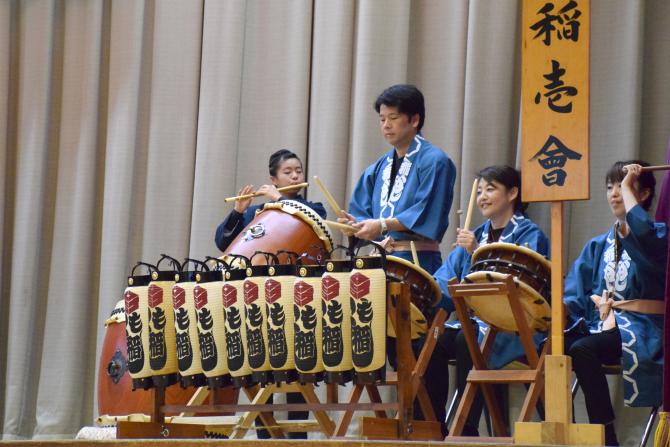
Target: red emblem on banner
x,y
303,293
155,295
330,288
178,297
272,290
229,295
132,301
200,296
250,291
360,285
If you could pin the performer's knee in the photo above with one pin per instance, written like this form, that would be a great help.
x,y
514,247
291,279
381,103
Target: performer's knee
x,y
582,353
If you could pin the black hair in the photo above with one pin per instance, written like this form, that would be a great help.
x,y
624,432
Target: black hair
x,y
278,158
407,98
615,174
508,177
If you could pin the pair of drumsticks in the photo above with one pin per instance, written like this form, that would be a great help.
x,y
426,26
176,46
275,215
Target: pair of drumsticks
x,y
338,211
331,201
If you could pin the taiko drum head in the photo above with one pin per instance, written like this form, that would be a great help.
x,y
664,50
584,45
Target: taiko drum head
x,y
424,290
521,262
532,275
495,309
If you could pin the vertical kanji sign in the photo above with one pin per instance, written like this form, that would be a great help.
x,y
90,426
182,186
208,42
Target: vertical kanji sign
x,y
555,100
555,168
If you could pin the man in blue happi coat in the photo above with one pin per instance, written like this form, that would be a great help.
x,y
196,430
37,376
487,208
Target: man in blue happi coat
x,y
406,194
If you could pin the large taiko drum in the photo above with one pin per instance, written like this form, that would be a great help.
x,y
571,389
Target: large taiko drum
x,y
285,225
425,293
115,389
532,276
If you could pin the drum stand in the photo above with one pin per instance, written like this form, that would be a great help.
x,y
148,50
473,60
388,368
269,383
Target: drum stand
x,y
408,381
480,377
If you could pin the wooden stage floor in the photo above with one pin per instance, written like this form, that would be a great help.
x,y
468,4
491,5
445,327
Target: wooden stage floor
x,y
481,442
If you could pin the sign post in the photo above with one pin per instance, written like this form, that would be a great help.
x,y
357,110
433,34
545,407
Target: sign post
x,y
555,168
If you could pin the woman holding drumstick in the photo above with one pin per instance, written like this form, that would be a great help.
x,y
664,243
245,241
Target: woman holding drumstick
x,y
285,171
614,298
498,197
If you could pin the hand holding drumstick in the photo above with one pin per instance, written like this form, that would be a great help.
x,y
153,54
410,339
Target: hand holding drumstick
x,y
604,305
344,220
347,219
369,229
464,237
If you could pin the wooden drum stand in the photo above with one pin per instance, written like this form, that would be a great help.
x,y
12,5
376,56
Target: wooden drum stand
x,y
481,377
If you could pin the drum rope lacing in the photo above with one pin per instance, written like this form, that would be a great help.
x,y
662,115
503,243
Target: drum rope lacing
x,y
312,215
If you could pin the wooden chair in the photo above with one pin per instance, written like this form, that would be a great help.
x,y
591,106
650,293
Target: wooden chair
x,y
618,370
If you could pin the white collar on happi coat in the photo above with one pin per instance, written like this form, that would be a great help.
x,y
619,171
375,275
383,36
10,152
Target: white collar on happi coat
x,y
388,201
615,273
507,233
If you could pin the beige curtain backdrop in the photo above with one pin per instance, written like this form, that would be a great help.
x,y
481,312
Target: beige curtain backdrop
x,y
124,124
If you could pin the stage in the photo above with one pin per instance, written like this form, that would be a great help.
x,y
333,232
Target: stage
x,y
482,442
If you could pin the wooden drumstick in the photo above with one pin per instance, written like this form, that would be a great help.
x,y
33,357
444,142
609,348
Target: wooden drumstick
x,y
471,205
656,168
340,226
652,168
329,197
415,256
256,194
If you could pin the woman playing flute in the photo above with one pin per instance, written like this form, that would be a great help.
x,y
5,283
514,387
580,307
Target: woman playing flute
x,y
285,170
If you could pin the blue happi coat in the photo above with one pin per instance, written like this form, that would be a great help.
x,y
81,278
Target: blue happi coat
x,y
640,273
520,230
421,196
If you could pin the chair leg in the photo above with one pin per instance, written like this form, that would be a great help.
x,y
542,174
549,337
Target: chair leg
x,y
573,392
488,421
452,407
650,424
647,428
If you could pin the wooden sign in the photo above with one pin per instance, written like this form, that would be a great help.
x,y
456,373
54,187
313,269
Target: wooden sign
x,y
555,100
